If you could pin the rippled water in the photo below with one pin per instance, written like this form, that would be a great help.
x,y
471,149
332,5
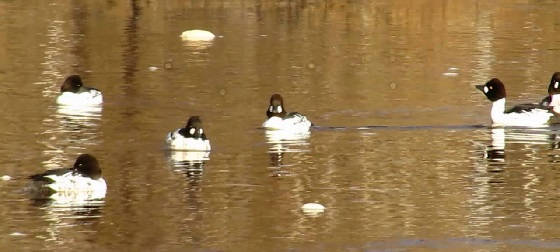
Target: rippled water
x,y
401,154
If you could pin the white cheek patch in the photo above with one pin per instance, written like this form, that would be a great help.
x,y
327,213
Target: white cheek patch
x,y
270,109
556,84
279,109
200,131
191,131
485,89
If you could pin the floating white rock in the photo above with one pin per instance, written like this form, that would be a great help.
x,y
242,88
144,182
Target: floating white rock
x,y
6,177
312,209
197,35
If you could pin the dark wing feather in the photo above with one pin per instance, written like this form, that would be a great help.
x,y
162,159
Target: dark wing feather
x,y
296,114
526,107
292,114
546,101
43,176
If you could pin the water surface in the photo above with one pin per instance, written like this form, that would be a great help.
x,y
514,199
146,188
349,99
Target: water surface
x,y
401,156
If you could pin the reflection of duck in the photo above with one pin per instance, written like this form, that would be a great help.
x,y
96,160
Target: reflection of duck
x,y
285,141
495,151
82,113
286,137
281,142
58,217
524,136
189,162
76,185
279,119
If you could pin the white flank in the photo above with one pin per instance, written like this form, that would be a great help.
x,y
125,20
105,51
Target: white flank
x,y
555,102
80,111
197,35
533,118
297,123
76,188
176,141
91,98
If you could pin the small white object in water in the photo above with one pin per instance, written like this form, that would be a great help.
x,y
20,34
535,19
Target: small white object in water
x,y
17,234
197,35
153,68
6,177
312,208
450,74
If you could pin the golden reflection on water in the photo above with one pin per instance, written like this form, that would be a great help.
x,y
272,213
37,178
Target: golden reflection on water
x,y
191,163
64,219
69,130
497,175
282,144
349,64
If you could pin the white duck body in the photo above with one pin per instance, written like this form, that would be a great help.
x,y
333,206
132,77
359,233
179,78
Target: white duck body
x,y
535,117
88,98
176,141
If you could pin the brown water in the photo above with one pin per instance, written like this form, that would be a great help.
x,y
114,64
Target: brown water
x,y
431,180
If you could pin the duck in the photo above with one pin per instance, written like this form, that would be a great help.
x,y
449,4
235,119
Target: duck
x,y
553,99
73,92
83,178
280,119
190,138
523,115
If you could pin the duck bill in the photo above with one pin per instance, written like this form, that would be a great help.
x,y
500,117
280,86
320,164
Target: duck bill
x,y
480,87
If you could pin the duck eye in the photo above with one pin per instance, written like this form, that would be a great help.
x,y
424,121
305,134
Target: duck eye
x,y
491,87
191,131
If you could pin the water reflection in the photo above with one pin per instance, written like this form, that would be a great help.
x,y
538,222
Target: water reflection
x,y
197,45
84,114
508,177
495,151
70,128
528,138
281,142
63,219
130,52
190,163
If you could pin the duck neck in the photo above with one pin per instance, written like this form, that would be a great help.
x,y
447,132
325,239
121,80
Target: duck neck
x,y
555,103
498,108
